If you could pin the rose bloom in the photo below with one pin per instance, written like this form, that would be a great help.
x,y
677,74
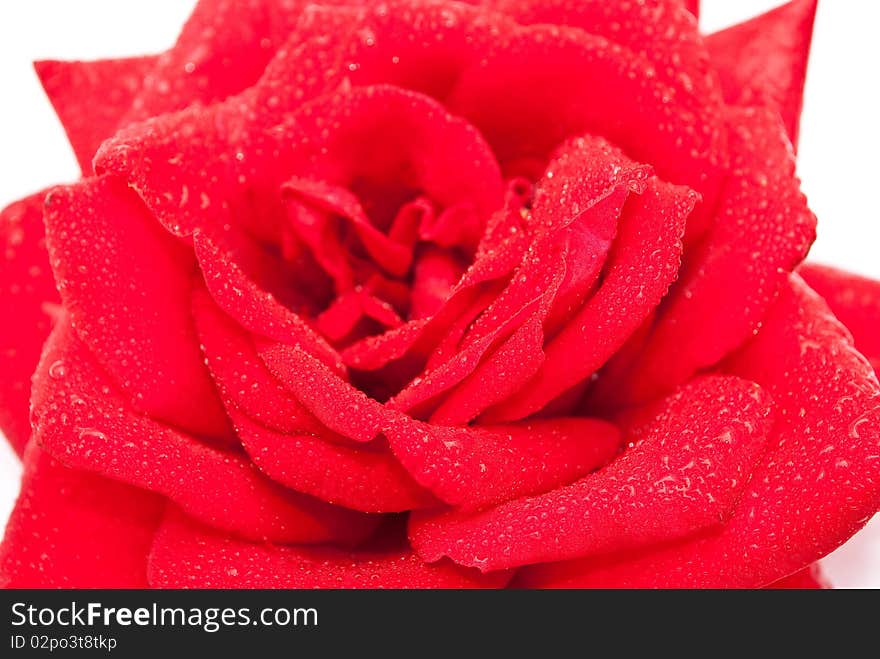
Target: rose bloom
x,y
432,294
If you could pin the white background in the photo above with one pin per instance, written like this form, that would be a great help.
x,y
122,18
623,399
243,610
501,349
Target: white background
x,y
838,161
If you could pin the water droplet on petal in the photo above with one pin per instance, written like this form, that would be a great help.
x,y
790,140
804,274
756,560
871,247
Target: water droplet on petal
x,y
91,434
57,370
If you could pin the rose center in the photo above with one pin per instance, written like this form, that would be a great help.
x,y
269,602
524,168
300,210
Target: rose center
x,y
391,253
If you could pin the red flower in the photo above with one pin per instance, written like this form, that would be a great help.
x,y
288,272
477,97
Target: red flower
x,y
426,294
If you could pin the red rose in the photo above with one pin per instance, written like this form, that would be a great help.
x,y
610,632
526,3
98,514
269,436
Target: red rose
x,y
426,294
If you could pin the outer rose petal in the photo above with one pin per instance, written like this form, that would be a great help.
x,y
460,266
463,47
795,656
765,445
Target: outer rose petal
x,y
816,485
691,461
657,29
810,578
568,66
223,48
188,555
218,53
91,98
126,285
854,300
763,61
82,419
26,285
71,529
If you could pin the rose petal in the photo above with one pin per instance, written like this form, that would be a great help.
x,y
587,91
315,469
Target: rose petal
x,y
223,48
187,555
373,481
643,263
577,205
471,302
500,375
388,140
237,136
435,274
82,419
763,61
574,214
356,313
365,479
764,230
91,98
252,306
180,180
377,351
241,377
810,578
657,30
816,485
126,283
315,229
685,474
420,46
245,152
647,119
26,285
425,389
71,529
824,464
854,300
335,402
475,466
